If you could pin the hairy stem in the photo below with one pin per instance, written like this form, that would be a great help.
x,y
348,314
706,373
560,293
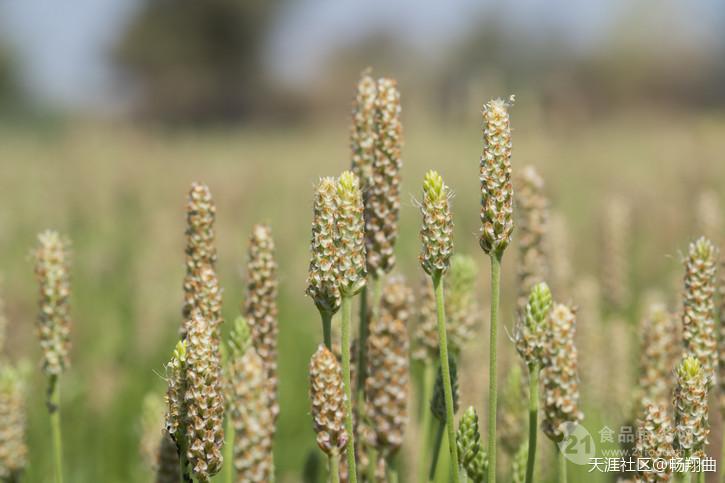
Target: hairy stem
x,y
426,416
327,328
346,316
492,390
562,465
445,370
54,411
533,420
335,467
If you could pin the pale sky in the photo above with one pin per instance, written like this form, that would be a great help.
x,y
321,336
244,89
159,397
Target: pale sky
x,y
64,44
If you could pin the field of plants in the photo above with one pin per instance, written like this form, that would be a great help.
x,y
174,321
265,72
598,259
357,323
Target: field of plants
x,y
605,230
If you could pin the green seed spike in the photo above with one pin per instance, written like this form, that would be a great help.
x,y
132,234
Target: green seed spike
x,y
351,235
530,330
690,404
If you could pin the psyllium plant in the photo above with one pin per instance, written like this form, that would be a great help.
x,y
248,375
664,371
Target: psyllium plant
x,y
436,234
363,135
13,422
260,306
327,396
200,248
654,444
691,411
351,278
195,416
530,337
559,379
387,383
52,272
471,455
659,349
250,409
698,311
496,227
532,217
207,299
322,278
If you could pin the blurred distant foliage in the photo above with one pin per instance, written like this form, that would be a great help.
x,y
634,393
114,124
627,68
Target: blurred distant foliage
x,y
9,86
195,61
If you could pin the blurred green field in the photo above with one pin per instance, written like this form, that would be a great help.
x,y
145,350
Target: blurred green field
x,y
119,192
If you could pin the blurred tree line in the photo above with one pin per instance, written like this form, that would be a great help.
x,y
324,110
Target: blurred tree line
x,y
200,61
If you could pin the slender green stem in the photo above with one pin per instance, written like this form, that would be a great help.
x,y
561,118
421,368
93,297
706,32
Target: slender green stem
x,y
686,476
701,477
436,450
229,451
492,391
346,316
562,464
327,328
533,420
53,404
392,470
446,371
335,467
426,416
372,464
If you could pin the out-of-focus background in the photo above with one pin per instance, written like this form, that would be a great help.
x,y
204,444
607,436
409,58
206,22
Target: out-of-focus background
x,y
109,109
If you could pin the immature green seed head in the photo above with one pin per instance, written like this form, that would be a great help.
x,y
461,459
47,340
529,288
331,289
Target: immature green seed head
x,y
260,306
323,278
690,405
53,325
698,314
351,234
362,133
468,438
382,195
438,401
240,337
436,231
496,188
530,330
518,464
327,395
13,422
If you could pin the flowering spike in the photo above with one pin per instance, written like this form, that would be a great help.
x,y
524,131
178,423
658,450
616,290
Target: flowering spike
x,y
559,377
328,401
351,235
659,349
436,231
260,307
698,315
52,272
322,281
362,134
690,404
654,442
496,188
200,249
382,198
471,455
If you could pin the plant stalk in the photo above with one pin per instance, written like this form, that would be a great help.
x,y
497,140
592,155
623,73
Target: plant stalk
x,y
54,411
562,465
445,370
533,420
335,467
229,451
426,416
327,328
436,451
346,316
492,389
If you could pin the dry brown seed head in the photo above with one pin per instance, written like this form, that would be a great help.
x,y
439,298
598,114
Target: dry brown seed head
x,y
363,134
615,261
